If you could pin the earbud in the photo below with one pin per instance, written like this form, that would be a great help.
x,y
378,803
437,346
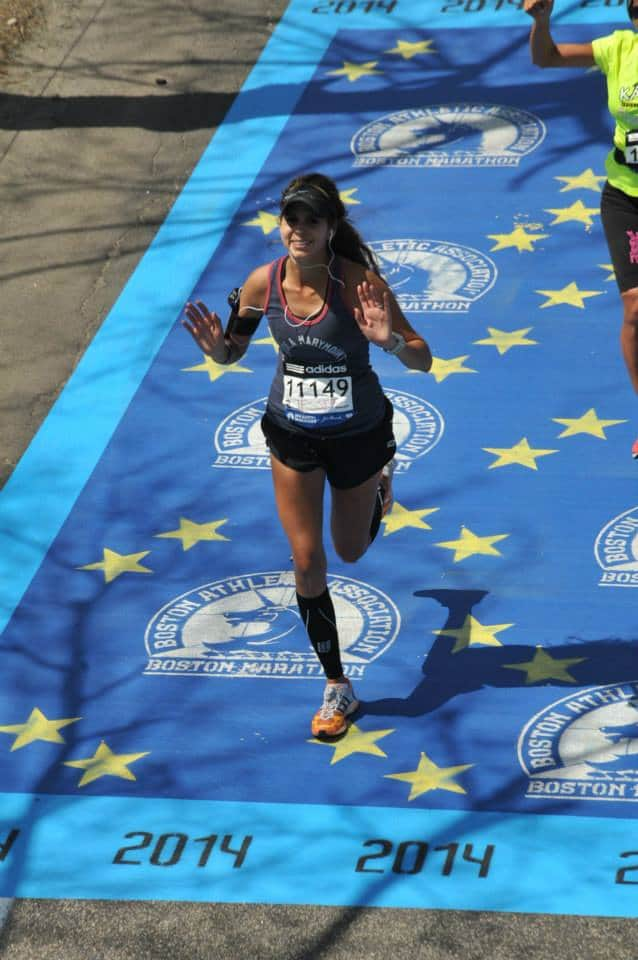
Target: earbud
x,y
331,235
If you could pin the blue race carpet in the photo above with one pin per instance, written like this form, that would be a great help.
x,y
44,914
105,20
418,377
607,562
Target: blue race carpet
x,y
157,683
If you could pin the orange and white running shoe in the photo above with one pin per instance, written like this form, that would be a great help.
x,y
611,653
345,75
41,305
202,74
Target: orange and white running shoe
x,y
634,450
339,702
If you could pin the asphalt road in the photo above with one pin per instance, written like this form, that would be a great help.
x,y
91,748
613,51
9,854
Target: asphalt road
x,y
102,118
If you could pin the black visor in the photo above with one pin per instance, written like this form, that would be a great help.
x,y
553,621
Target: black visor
x,y
311,197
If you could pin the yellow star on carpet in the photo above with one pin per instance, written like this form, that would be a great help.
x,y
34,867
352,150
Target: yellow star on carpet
x,y
354,71
545,667
105,763
521,453
470,543
408,50
215,370
518,238
441,369
399,517
355,741
578,212
589,423
428,776
347,198
474,632
190,532
610,267
569,295
114,564
37,727
267,222
504,340
587,180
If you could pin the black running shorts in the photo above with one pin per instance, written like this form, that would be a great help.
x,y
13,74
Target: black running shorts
x,y
619,215
348,461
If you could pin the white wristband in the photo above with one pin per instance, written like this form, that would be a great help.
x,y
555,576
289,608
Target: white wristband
x,y
397,345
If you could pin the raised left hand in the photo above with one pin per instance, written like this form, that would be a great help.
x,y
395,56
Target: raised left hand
x,y
375,315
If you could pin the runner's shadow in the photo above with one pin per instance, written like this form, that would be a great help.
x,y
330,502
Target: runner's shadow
x,y
456,666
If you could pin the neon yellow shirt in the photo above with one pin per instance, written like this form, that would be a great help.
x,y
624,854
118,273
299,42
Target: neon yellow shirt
x,y
617,56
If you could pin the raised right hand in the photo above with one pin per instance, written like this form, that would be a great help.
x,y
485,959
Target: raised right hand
x,y
206,330
540,10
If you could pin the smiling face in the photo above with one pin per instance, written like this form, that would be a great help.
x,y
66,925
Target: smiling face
x,y
304,234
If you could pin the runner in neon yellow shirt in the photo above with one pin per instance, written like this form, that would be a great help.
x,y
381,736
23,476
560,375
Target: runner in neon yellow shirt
x,y
616,55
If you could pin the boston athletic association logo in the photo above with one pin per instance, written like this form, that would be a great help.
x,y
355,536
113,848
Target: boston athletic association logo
x,y
249,626
584,746
616,550
434,276
239,441
449,135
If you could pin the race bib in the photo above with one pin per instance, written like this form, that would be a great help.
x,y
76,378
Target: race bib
x,y
631,148
320,396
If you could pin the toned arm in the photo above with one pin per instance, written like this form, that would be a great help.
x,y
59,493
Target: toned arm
x,y
544,51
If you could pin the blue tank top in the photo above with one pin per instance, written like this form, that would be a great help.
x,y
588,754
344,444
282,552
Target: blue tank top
x,y
323,382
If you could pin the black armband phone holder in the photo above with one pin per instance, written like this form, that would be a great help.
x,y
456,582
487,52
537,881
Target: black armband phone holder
x,y
242,326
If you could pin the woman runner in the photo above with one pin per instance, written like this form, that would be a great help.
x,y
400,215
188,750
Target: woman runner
x,y
326,418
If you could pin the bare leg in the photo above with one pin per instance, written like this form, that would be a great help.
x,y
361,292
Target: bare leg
x,y
299,499
351,517
629,334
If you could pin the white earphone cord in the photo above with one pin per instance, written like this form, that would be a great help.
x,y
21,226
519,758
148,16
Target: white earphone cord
x,y
323,266
330,248
330,274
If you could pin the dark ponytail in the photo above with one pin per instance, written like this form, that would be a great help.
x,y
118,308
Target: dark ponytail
x,y
346,240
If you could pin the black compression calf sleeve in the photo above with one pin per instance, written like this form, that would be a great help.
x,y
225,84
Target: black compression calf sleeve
x,y
318,615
